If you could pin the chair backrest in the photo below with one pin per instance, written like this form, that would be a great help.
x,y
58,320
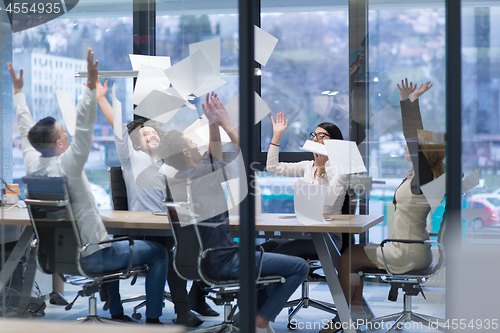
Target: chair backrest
x,y
188,243
48,203
117,188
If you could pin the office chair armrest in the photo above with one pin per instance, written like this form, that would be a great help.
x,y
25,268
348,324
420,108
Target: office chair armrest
x,y
411,241
261,249
118,239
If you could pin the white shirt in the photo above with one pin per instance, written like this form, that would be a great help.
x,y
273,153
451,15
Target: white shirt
x,y
307,169
70,165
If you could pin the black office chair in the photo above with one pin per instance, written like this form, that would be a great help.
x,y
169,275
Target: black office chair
x,y
59,244
117,188
410,283
190,255
119,199
294,306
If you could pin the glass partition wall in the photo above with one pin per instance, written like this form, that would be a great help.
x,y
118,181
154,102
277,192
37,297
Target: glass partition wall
x,y
343,62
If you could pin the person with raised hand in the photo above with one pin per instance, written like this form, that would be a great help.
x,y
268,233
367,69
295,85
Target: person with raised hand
x,y
47,152
410,215
137,150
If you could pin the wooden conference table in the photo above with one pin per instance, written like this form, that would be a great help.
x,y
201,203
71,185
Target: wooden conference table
x,y
146,223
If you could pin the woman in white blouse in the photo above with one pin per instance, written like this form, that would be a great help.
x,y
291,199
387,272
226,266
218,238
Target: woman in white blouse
x,y
315,172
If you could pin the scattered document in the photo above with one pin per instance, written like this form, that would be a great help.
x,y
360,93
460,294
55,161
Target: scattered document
x,y
344,157
233,109
168,170
314,147
117,114
470,181
149,79
67,110
434,191
470,214
154,61
160,105
211,51
188,75
308,200
264,45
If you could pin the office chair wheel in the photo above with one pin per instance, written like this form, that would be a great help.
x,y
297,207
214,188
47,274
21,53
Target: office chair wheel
x,y
291,326
137,316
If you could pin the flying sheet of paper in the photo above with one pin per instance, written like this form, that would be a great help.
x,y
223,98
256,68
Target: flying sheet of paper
x,y
314,147
470,214
233,109
159,104
189,74
344,157
167,170
211,50
154,61
434,191
190,129
67,110
308,201
470,181
204,132
117,114
149,79
264,45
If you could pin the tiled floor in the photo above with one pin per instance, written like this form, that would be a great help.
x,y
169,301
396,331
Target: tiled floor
x,y
308,320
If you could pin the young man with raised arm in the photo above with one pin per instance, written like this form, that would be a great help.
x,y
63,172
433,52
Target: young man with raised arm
x,y
47,152
137,151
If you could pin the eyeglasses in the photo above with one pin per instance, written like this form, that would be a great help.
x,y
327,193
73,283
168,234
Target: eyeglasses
x,y
318,136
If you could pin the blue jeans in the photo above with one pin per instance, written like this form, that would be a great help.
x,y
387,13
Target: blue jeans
x,y
272,298
117,256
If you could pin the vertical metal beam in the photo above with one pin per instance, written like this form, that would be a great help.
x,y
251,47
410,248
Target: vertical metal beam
x,y
453,235
144,30
144,27
247,11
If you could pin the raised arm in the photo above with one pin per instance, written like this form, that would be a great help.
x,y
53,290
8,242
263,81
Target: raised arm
x,y
353,70
73,159
214,145
217,116
106,108
273,164
279,127
24,117
412,122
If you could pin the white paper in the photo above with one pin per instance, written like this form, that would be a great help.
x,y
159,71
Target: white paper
x,y
189,74
233,110
470,214
203,131
211,51
308,200
148,80
117,114
68,110
264,45
434,191
314,147
159,104
211,84
154,61
344,157
168,170
470,181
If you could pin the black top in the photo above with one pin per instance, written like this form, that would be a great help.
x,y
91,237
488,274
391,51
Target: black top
x,y
210,203
412,122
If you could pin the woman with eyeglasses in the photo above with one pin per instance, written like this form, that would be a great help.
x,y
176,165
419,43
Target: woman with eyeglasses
x,y
315,172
